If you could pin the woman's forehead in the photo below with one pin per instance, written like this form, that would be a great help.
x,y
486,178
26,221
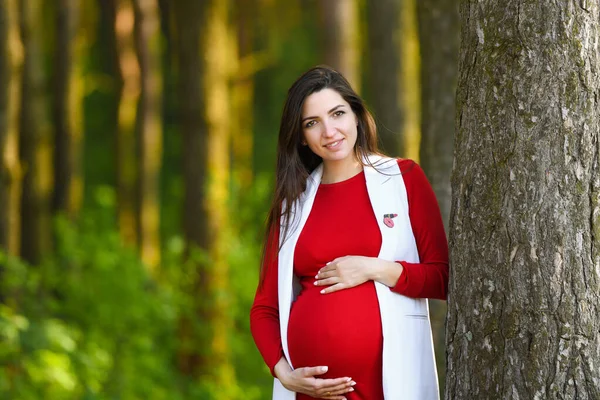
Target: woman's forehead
x,y
322,101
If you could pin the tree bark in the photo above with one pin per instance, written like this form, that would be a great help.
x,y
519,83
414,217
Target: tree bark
x,y
67,110
525,224
36,140
384,72
149,127
127,154
339,27
11,59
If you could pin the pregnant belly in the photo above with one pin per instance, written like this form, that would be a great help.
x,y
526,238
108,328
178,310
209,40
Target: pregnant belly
x,y
341,330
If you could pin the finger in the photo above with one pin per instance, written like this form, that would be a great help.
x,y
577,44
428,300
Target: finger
x,y
324,385
337,390
342,388
328,281
330,266
312,371
326,274
333,288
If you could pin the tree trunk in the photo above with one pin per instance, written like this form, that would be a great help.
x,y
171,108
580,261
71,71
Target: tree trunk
x,y
67,110
193,128
127,154
243,98
149,127
36,140
218,46
11,57
204,97
384,74
439,34
525,283
339,27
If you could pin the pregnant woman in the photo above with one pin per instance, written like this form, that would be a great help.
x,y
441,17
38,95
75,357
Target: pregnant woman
x,y
355,244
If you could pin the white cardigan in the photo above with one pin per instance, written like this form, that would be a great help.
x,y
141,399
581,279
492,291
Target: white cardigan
x,y
408,361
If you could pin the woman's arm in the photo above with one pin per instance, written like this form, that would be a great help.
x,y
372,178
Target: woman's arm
x,y
264,314
425,279
429,277
264,324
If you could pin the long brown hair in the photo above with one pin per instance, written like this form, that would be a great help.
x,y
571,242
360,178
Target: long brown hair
x,y
296,162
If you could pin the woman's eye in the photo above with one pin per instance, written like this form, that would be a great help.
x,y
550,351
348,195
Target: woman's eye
x,y
338,113
309,124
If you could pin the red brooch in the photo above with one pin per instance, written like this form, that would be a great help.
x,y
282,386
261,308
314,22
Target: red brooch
x,y
387,220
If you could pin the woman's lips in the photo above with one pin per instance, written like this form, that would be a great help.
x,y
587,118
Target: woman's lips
x,y
334,145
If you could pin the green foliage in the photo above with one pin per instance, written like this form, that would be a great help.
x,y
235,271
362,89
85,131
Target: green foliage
x,y
91,323
88,322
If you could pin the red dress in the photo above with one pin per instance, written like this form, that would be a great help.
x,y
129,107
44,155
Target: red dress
x,y
342,330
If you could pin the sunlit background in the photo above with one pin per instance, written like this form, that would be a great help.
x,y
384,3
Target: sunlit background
x,y
138,143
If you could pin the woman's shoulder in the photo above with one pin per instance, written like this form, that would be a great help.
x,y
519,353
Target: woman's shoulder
x,y
412,173
407,165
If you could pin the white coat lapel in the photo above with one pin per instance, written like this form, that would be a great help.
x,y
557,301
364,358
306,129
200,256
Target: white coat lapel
x,y
300,212
402,356
286,255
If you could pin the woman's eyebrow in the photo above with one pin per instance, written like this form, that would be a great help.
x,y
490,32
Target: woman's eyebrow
x,y
328,112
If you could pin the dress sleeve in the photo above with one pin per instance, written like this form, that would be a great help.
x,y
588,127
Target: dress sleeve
x,y
264,314
429,277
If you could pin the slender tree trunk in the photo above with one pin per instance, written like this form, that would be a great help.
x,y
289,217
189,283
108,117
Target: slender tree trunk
x,y
188,19
218,46
339,26
36,140
525,226
384,72
205,45
112,68
243,98
127,154
439,34
411,81
11,58
149,128
67,110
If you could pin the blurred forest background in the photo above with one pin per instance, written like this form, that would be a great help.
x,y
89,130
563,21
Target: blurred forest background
x,y
138,143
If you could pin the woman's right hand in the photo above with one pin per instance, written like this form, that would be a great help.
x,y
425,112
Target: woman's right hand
x,y
304,380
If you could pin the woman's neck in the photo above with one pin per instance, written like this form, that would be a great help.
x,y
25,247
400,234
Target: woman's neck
x,y
338,171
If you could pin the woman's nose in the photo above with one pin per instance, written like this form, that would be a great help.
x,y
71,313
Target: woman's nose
x,y
328,129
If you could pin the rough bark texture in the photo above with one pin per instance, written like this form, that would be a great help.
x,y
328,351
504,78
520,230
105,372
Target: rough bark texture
x,y
439,36
339,27
36,140
11,56
525,224
67,108
149,126
384,72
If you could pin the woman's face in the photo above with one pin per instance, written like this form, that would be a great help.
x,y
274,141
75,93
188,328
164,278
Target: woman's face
x,y
329,126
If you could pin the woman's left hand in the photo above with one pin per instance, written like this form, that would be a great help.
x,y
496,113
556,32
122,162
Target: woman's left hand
x,y
344,273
